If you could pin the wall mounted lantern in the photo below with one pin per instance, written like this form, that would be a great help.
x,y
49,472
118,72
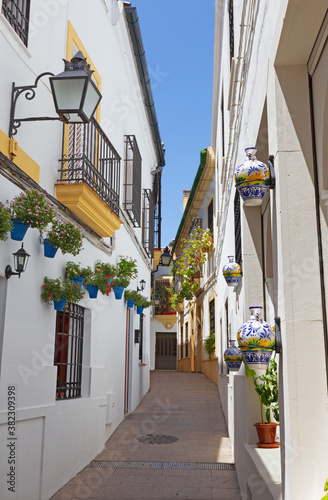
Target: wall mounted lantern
x,y
166,257
75,95
142,284
156,300
20,262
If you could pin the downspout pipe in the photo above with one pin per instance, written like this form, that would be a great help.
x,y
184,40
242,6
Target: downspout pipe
x,y
139,52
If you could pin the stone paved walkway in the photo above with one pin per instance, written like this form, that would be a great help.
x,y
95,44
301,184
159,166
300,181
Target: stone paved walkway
x,y
142,460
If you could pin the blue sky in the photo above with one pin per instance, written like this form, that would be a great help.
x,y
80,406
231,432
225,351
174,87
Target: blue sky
x,y
178,37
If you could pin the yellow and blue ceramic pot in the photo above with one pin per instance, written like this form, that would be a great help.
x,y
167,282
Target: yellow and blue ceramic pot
x,y
233,356
252,179
256,338
232,272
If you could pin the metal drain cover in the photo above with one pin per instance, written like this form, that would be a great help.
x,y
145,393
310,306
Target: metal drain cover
x,y
157,439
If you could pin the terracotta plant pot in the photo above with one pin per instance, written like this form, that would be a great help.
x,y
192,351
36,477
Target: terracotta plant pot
x,y
267,435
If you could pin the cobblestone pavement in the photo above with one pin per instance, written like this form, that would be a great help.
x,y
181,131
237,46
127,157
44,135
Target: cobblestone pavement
x,y
175,445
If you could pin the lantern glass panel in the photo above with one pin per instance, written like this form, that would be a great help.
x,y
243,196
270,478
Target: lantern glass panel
x,y
68,93
91,101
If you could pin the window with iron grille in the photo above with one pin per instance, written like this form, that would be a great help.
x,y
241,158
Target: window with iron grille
x,y
231,30
69,351
181,342
187,340
141,337
212,315
132,180
238,254
162,290
210,217
148,222
91,158
17,13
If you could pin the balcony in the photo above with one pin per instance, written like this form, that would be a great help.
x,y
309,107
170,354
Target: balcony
x,y
164,312
89,182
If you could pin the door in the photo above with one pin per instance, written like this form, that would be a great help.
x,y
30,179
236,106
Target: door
x,y
166,351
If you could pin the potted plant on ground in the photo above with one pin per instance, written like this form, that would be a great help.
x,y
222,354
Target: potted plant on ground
x,y
77,273
5,222
60,291
95,282
30,209
266,387
66,236
209,344
142,303
130,297
118,284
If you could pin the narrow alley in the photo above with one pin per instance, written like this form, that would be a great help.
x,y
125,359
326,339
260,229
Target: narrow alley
x,y
174,445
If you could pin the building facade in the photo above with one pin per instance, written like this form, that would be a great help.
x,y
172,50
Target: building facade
x,y
104,177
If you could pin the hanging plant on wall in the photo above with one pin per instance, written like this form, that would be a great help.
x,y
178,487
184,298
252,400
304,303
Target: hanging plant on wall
x,y
5,222
31,207
66,236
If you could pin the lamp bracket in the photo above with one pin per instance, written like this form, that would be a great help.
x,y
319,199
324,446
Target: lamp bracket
x,y
9,272
278,335
272,172
29,91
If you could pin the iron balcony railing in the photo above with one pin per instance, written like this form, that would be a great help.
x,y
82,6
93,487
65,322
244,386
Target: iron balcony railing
x,y
91,158
17,13
148,222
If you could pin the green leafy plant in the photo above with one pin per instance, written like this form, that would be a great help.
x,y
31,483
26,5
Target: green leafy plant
x,y
209,344
100,280
120,281
142,301
130,294
31,207
5,222
127,268
107,269
325,489
266,387
75,270
57,289
66,236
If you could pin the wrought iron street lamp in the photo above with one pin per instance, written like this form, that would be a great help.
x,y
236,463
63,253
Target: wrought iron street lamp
x,y
75,95
20,262
166,257
156,300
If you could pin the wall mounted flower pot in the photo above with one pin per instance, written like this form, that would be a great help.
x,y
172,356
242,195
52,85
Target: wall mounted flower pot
x,y
79,281
233,356
118,291
267,435
256,338
252,179
140,309
59,304
19,230
232,272
93,290
48,249
130,303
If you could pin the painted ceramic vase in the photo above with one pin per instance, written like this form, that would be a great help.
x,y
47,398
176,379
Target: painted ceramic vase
x,y
252,179
233,356
256,338
232,272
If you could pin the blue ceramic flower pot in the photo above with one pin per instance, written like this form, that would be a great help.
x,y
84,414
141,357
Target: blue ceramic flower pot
x,y
59,304
139,309
19,230
130,302
79,281
118,291
93,291
48,249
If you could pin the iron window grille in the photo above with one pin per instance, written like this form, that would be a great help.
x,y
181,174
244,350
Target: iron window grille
x,y
181,342
69,352
212,315
141,337
157,218
238,252
92,159
17,13
132,180
210,217
187,340
148,222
